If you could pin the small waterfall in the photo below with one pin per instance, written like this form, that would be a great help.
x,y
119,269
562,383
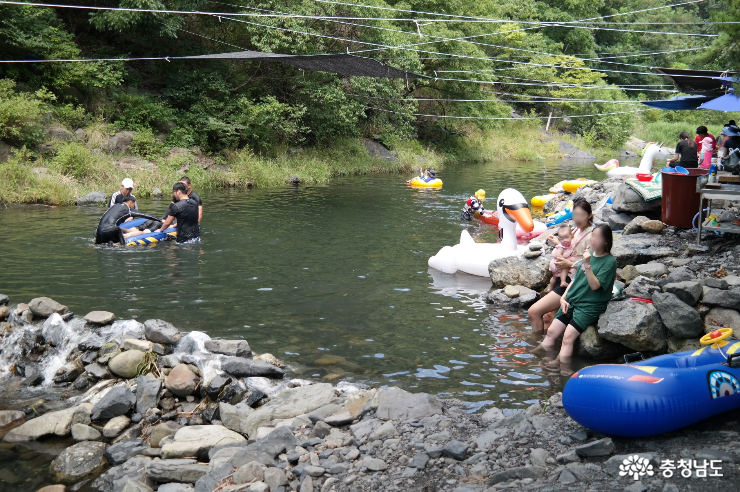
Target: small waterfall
x,y
65,339
193,342
11,346
191,349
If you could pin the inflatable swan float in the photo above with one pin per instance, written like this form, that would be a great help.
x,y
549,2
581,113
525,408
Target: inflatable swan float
x,y
473,258
649,153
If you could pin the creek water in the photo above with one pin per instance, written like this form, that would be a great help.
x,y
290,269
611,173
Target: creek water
x,y
331,279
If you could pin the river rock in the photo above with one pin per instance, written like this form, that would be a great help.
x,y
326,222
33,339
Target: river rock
x,y
600,447
640,248
517,270
518,473
627,200
115,426
118,401
719,317
44,307
593,346
216,386
525,299
652,270
136,486
243,367
136,344
275,478
679,318
100,317
653,227
147,393
115,478
676,344
635,225
78,462
94,198
119,142
397,404
511,291
97,371
53,423
127,364
175,470
641,286
629,273
159,331
716,283
634,324
181,381
689,291
197,440
162,430
234,417
680,274
251,472
616,220
10,419
723,298
234,348
124,450
288,404
82,432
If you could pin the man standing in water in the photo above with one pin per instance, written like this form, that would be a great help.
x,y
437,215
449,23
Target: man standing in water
x,y
185,210
193,196
110,230
127,186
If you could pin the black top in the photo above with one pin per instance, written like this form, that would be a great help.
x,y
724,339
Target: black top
x,y
192,196
731,143
117,197
689,158
116,215
186,213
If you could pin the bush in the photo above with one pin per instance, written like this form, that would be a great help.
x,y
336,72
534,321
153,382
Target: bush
x,y
75,160
135,112
74,117
21,115
146,145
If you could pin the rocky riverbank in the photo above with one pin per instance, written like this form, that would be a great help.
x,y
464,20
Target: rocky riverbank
x,y
694,288
145,407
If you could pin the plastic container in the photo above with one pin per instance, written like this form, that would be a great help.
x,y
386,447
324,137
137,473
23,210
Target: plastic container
x,y
680,202
713,174
644,177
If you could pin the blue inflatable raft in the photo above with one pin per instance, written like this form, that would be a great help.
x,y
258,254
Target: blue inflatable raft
x,y
149,237
657,395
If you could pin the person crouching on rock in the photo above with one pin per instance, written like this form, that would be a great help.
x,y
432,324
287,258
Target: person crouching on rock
x,y
474,205
110,228
582,216
587,295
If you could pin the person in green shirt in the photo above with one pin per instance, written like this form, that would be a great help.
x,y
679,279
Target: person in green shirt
x,y
587,295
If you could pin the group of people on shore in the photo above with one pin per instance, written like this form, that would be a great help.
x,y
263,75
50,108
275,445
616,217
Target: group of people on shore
x,y
185,212
699,151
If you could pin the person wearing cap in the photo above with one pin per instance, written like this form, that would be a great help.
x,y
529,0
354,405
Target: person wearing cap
x,y
110,228
193,196
474,205
730,142
127,186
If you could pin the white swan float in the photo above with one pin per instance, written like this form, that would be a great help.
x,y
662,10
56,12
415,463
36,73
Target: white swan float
x,y
473,258
614,170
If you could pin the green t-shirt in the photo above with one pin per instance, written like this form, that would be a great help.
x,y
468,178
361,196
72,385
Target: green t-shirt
x,y
587,304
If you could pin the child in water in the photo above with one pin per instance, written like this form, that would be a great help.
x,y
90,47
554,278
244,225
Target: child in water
x,y
564,242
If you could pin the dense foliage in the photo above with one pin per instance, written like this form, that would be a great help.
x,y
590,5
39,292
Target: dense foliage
x,y
226,105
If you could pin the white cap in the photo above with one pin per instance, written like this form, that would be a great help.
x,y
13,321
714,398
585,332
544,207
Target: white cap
x,y
127,183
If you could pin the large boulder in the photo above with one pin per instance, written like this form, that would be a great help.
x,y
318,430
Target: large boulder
x,y
127,364
680,274
723,298
378,151
522,300
288,404
719,317
689,291
78,462
634,324
120,142
44,307
627,200
121,451
181,381
593,346
679,318
243,368
94,198
640,248
517,270
397,404
58,132
57,423
197,440
118,401
616,220
653,269
234,417
159,331
642,287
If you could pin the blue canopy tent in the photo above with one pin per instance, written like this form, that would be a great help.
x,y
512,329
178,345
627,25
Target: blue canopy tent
x,y
727,103
679,102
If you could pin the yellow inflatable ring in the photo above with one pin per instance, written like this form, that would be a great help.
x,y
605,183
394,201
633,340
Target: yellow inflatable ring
x,y
435,183
541,200
719,335
573,186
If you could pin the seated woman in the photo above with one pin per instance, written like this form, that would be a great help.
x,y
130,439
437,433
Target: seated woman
x,y
582,215
687,155
587,295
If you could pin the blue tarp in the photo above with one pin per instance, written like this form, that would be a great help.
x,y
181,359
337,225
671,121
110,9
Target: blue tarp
x,y
679,102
